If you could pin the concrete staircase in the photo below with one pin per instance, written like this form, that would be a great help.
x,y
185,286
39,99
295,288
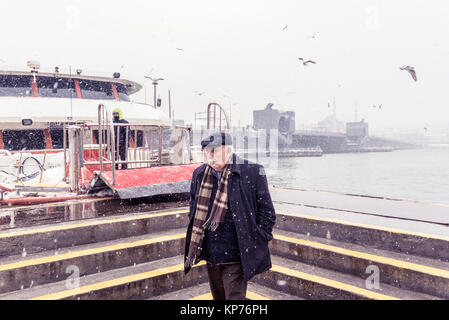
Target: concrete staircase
x,y
139,256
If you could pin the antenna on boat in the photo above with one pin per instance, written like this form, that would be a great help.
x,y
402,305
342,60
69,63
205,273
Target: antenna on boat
x,y
155,83
169,105
71,94
34,65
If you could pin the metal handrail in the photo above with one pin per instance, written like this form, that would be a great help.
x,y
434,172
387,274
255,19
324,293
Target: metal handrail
x,y
109,148
100,136
111,142
222,111
160,150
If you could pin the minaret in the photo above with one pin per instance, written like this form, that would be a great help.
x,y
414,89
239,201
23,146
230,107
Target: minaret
x,y
334,109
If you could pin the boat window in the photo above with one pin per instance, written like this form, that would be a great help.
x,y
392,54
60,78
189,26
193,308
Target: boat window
x,y
96,89
56,87
139,141
57,138
15,86
122,92
131,135
24,139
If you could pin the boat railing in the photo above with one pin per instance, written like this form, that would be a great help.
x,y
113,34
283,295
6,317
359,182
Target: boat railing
x,y
109,146
216,119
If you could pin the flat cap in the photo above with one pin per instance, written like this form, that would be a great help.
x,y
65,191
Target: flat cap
x,y
216,139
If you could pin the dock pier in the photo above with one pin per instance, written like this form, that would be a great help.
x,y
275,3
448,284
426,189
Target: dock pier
x,y
326,246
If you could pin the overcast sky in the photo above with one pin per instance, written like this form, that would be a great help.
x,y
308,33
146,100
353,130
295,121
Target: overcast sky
x,y
239,55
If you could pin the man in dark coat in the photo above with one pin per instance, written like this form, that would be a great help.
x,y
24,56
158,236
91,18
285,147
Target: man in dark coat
x,y
118,118
236,249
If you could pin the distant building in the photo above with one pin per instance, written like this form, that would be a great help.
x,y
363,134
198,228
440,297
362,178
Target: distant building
x,y
331,124
356,133
269,118
281,121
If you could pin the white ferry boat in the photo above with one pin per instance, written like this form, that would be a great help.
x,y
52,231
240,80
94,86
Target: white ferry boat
x,y
37,106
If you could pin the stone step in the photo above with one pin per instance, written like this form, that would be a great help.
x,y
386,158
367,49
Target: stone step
x,y
139,256
414,273
54,265
260,292
68,234
312,282
397,269
141,281
432,246
202,292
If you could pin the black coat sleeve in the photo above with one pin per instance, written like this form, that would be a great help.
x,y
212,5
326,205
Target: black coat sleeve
x,y
266,216
192,196
194,188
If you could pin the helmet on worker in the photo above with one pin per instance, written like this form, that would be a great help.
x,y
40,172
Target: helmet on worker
x,y
117,114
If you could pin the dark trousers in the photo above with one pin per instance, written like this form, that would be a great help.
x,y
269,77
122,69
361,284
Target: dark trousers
x,y
226,281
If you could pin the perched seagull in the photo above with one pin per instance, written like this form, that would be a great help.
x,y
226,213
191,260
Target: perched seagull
x,y
306,62
425,128
285,27
314,35
410,70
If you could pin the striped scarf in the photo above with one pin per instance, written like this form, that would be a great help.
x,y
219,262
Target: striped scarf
x,y
217,214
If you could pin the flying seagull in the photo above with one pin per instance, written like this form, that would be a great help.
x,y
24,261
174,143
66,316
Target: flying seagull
x,y
180,49
380,106
199,93
285,27
306,62
410,70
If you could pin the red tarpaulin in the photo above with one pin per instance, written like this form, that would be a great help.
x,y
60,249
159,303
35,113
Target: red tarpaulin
x,y
145,182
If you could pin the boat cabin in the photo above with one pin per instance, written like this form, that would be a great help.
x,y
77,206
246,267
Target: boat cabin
x,y
36,105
